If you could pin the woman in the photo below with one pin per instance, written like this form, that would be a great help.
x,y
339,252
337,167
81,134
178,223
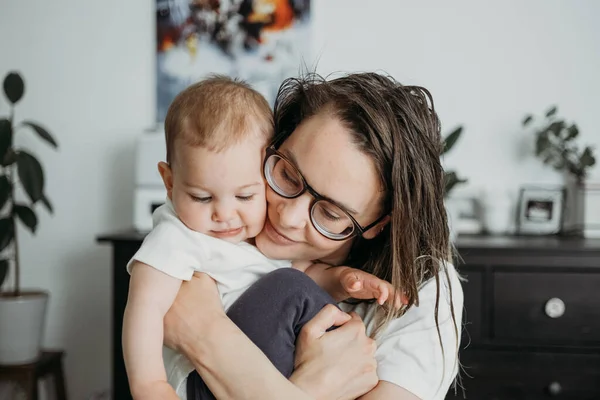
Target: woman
x,y
369,147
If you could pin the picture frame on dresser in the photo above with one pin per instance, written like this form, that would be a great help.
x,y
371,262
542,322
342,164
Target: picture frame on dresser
x,y
540,210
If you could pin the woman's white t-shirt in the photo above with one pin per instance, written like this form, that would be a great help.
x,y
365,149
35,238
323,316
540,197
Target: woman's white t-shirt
x,y
408,349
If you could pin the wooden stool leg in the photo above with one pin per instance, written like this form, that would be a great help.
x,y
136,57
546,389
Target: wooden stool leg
x,y
59,382
31,386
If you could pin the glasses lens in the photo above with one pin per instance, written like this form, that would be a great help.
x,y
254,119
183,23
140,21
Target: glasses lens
x,y
283,177
331,221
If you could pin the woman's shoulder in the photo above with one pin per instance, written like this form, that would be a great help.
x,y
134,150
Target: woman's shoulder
x,y
418,351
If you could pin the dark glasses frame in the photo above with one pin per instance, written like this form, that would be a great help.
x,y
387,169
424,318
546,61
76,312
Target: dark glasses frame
x,y
358,229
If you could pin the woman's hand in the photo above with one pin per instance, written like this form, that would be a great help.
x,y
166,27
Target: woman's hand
x,y
339,364
195,308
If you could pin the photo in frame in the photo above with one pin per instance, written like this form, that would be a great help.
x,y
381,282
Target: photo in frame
x,y
540,210
260,41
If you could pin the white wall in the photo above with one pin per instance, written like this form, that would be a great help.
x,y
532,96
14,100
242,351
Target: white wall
x,y
486,66
89,71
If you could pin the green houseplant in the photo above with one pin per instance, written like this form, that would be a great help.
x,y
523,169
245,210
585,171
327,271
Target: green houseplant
x,y
556,144
451,178
22,312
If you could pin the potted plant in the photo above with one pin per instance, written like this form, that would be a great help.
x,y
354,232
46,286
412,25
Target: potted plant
x,y
451,180
556,144
22,312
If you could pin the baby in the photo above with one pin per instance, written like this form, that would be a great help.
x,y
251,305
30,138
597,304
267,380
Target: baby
x,y
216,132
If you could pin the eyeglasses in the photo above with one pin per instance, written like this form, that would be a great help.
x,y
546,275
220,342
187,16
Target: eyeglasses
x,y
329,218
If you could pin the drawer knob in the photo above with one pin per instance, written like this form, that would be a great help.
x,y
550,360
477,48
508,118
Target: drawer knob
x,y
555,308
554,388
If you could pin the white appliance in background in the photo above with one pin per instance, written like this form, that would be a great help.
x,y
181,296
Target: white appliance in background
x,y
150,191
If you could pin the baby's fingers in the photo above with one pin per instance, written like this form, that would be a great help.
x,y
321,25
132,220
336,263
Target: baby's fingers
x,y
351,282
383,294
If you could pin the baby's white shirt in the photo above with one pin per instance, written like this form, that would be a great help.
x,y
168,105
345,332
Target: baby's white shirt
x,y
171,247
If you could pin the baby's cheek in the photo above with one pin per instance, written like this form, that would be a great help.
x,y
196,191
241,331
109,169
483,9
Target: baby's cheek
x,y
258,215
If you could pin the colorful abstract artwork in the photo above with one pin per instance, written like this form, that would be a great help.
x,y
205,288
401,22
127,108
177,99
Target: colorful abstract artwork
x,y
260,41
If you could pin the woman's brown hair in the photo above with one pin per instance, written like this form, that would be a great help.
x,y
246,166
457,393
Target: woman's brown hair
x,y
398,128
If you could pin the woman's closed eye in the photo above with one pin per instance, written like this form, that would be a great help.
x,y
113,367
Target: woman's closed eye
x,y
288,177
329,215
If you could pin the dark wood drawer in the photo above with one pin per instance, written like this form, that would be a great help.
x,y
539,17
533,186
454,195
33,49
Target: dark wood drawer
x,y
523,302
508,375
473,302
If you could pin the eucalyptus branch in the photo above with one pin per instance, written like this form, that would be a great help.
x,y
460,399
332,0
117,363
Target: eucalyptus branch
x,y
555,146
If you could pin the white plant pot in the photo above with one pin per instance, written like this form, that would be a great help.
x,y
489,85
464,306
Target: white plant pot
x,y
22,320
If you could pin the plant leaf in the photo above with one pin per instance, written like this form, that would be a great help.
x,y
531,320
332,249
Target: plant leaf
x,y
551,111
572,132
451,179
556,127
5,188
47,203
451,139
6,232
31,175
3,270
14,87
43,133
10,158
542,143
527,120
587,158
5,137
27,216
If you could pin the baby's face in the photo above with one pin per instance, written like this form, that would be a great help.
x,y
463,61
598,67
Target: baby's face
x,y
220,194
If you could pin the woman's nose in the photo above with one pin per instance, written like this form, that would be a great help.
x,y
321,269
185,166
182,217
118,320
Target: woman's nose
x,y
294,213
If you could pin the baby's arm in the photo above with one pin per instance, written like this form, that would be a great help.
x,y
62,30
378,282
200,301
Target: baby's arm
x,y
345,282
151,294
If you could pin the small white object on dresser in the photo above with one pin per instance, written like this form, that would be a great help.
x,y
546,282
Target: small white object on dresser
x,y
150,192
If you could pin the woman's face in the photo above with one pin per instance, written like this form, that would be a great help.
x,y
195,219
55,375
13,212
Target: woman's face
x,y
332,165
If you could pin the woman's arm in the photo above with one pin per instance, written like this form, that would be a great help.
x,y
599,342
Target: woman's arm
x,y
386,390
233,367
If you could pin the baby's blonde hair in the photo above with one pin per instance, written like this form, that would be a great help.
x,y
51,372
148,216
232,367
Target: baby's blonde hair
x,y
216,113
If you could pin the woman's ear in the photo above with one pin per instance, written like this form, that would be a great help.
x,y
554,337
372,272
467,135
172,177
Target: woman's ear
x,y
167,177
377,229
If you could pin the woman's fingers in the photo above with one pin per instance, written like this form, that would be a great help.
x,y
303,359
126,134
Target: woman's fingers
x,y
337,364
184,319
329,316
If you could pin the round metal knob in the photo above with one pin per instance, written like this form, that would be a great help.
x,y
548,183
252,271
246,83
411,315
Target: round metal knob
x,y
555,308
554,388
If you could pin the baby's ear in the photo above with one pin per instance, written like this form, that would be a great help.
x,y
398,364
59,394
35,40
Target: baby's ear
x,y
377,229
167,176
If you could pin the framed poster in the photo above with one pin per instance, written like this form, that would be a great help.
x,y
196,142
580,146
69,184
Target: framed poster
x,y
259,41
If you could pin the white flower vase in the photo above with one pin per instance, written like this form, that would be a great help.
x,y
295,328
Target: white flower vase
x,y
574,211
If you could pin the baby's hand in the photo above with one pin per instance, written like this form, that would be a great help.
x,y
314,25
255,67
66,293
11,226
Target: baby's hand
x,y
362,285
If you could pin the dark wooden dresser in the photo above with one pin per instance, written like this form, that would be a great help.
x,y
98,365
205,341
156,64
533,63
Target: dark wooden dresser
x,y
532,316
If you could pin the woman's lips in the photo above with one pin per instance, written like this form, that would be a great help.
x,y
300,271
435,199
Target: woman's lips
x,y
227,233
277,237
